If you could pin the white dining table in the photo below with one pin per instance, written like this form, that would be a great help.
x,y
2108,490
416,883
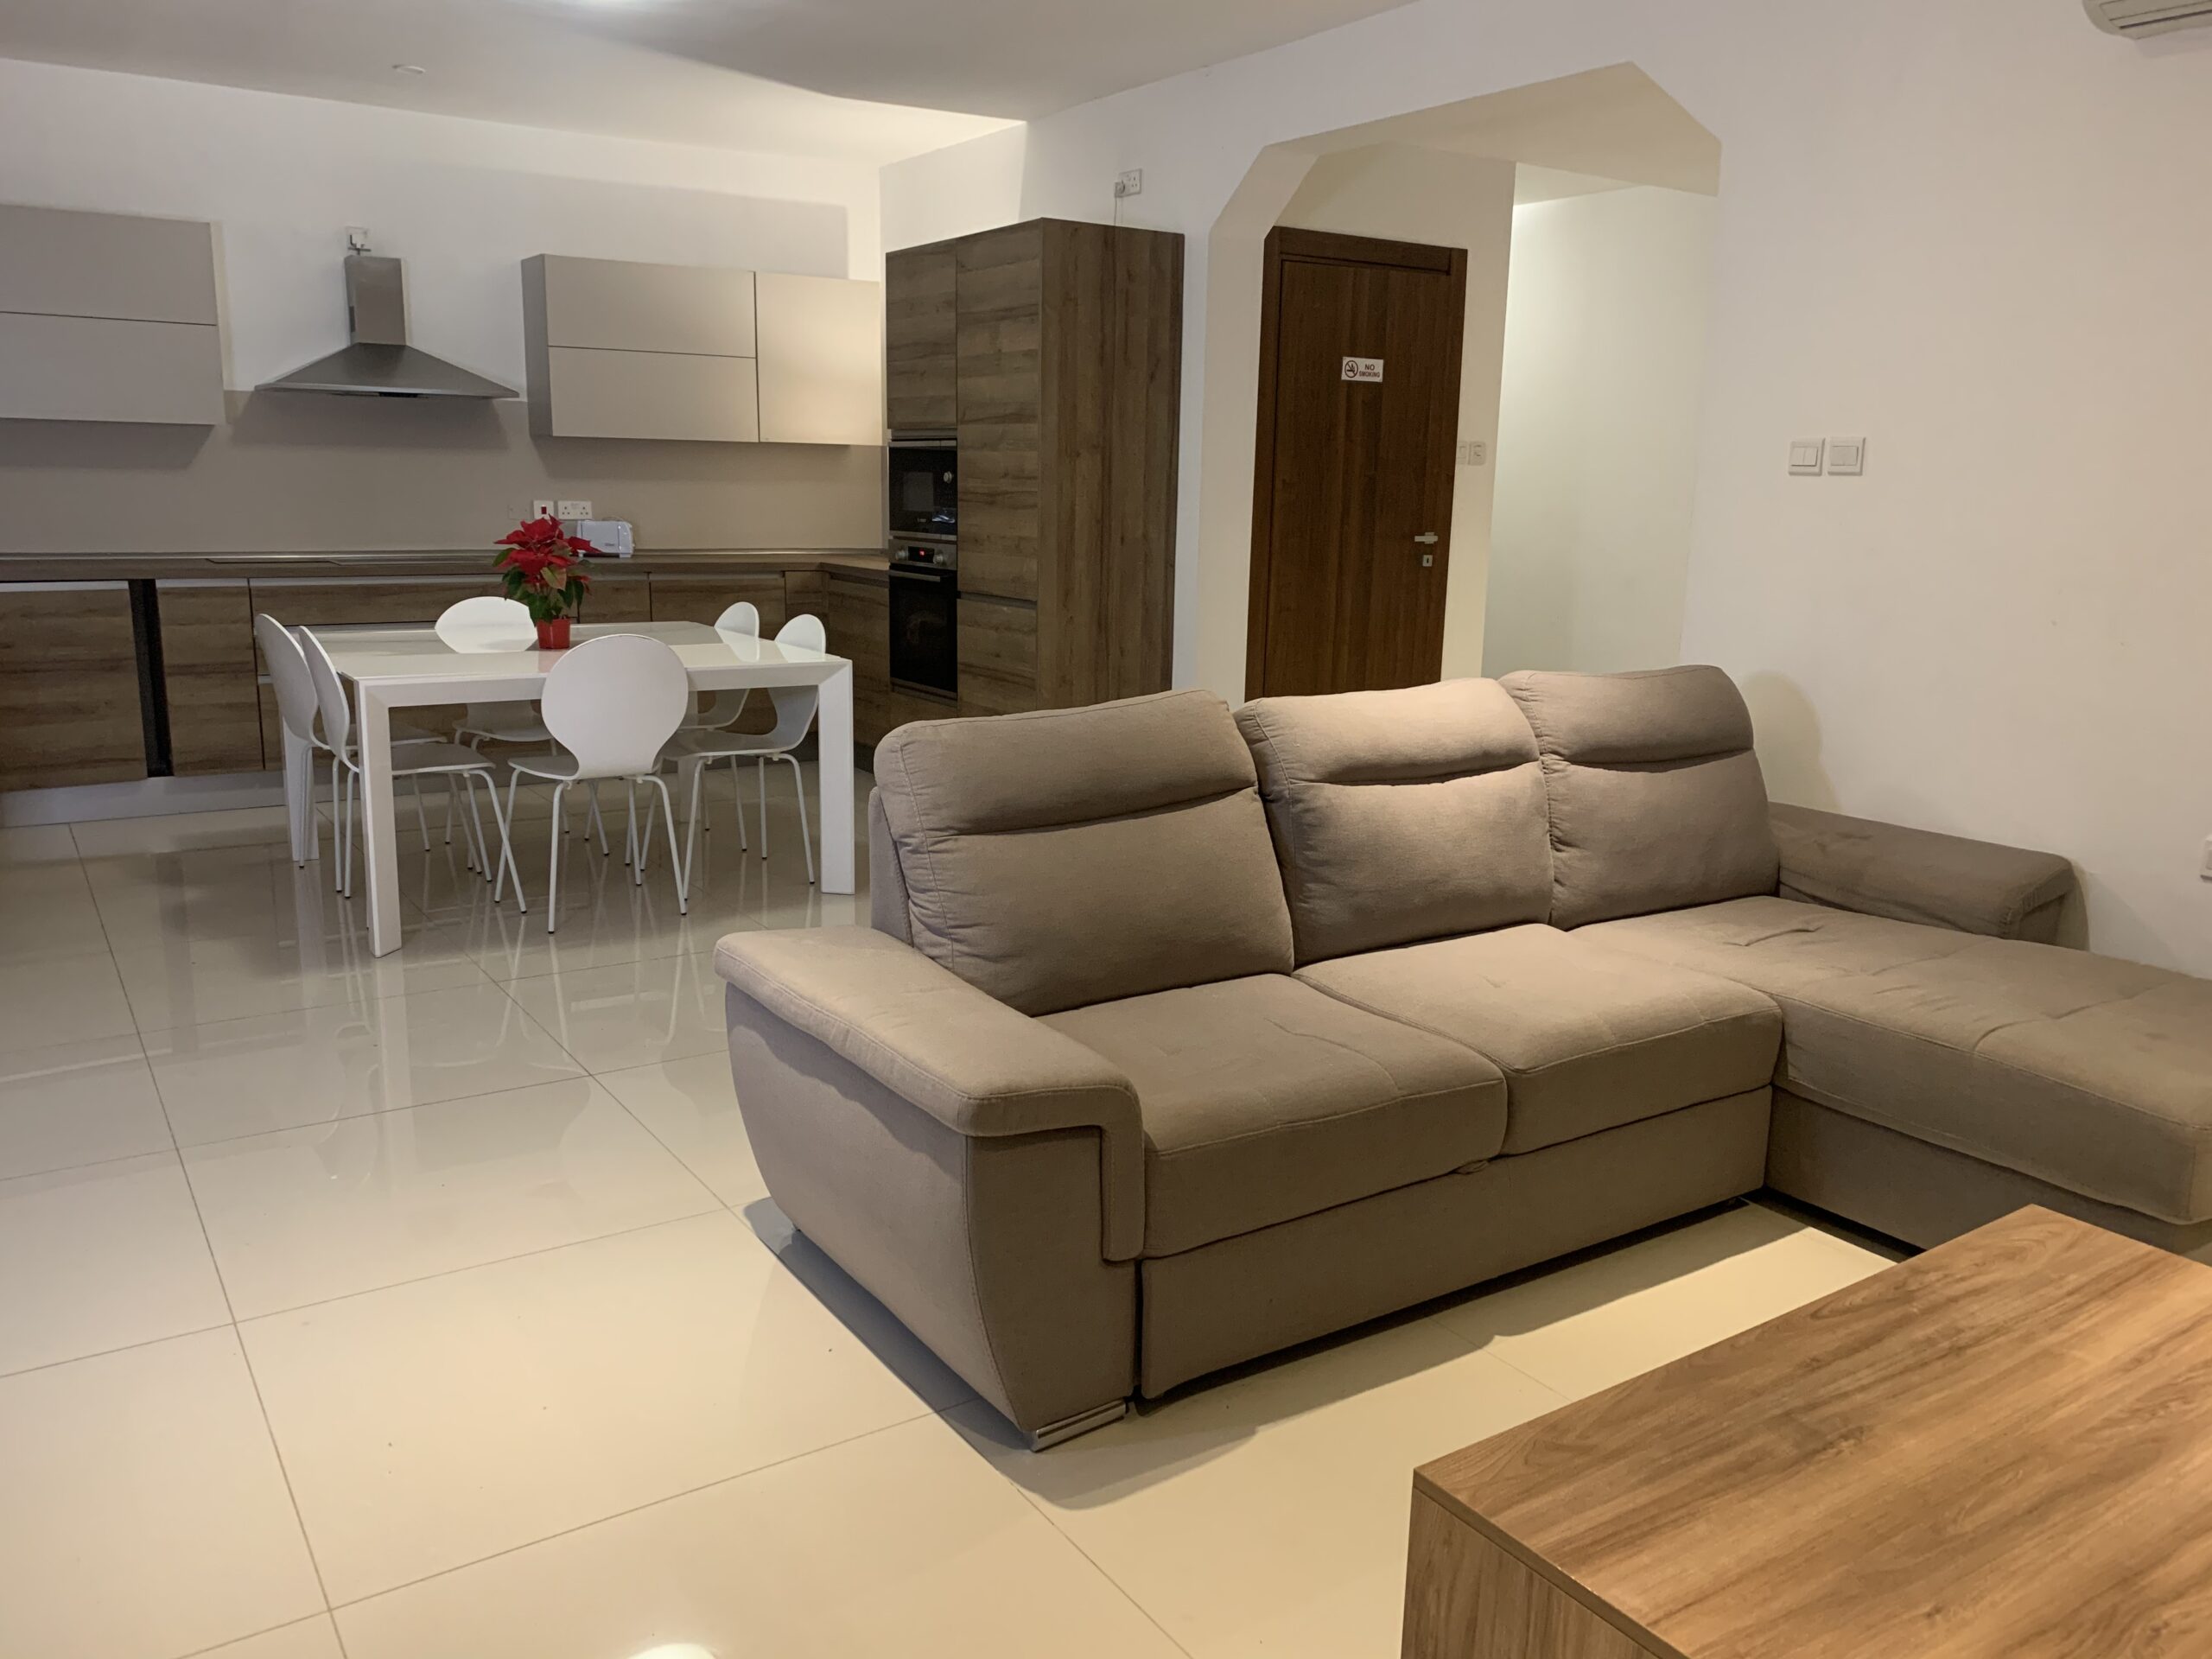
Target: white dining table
x,y
410,668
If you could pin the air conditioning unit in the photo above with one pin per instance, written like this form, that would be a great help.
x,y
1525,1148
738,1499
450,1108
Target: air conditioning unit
x,y
2142,17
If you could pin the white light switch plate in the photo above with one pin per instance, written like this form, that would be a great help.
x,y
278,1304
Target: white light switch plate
x,y
1473,452
541,510
2206,871
1805,458
1847,457
574,510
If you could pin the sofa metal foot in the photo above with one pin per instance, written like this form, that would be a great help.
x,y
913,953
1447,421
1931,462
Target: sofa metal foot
x,y
1082,1423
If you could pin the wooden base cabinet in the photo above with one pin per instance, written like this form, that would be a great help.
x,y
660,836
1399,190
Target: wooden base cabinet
x,y
70,705
210,678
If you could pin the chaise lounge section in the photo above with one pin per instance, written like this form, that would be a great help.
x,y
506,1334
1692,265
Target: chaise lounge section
x,y
1182,1037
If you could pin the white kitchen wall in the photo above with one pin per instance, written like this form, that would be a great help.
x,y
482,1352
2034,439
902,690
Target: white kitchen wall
x,y
463,202
1411,194
1590,535
1974,232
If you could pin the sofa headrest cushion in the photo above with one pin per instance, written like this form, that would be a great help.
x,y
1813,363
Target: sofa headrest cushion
x,y
1668,714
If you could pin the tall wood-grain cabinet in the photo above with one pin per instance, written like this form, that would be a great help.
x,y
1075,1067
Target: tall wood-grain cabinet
x,y
1053,351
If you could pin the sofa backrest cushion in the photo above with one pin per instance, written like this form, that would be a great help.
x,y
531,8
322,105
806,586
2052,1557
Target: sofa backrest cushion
x,y
1656,799
1077,856
1404,814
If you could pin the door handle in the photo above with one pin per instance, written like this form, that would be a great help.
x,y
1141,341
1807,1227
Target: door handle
x,y
1426,538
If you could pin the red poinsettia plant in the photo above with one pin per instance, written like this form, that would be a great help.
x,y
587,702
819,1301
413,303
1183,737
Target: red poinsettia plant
x,y
542,568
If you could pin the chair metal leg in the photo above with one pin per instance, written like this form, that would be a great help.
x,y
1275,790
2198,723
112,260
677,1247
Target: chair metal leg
x,y
597,822
760,768
421,818
682,898
553,873
476,817
449,806
698,816
353,803
737,794
506,827
805,840
506,842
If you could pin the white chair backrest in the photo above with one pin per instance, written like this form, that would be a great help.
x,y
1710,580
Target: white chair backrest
x,y
330,693
740,624
744,617
613,701
487,622
796,704
288,672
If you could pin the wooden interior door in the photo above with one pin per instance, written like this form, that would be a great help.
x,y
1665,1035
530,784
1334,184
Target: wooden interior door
x,y
1353,473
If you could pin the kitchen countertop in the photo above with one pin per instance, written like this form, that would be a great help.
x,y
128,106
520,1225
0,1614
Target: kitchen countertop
x,y
130,567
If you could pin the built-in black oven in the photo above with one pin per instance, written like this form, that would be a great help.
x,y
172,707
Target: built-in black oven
x,y
925,493
926,616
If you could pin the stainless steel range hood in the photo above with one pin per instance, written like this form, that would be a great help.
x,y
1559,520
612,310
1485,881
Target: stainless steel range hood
x,y
379,363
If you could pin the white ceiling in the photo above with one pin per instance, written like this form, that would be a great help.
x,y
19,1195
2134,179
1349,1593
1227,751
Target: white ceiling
x,y
858,80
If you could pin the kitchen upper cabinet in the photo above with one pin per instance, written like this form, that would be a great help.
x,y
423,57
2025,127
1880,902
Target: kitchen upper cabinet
x,y
920,332
622,349
821,352
108,317
70,706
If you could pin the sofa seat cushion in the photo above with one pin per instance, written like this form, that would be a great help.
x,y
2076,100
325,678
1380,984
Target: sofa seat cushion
x,y
1264,1100
1588,1039
2090,1073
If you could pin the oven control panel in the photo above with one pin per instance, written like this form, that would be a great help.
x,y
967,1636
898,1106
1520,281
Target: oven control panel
x,y
926,556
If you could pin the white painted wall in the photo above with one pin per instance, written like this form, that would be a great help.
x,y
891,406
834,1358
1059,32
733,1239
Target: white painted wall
x,y
1597,457
463,202
1411,194
1974,232
957,191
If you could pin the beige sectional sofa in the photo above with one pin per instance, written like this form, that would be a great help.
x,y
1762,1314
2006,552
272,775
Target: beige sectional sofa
x,y
1182,1036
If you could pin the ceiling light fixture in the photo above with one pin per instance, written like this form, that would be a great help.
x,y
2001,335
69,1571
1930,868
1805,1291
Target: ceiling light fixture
x,y
410,69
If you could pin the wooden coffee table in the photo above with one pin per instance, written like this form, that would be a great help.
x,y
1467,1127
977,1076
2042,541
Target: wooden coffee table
x,y
2001,1449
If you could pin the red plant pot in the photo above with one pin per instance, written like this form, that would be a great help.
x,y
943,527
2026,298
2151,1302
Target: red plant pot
x,y
553,634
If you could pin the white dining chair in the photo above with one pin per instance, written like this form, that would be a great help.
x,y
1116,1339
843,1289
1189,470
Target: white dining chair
x,y
300,712
738,622
488,622
612,703
796,706
452,761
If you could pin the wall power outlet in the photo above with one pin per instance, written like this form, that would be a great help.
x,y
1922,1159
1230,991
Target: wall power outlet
x,y
574,510
1129,183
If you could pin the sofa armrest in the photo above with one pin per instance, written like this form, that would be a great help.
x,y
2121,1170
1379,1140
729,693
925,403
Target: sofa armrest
x,y
979,1068
1918,876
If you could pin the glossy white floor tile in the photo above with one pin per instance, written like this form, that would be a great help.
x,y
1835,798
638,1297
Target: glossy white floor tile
x,y
192,982
631,1013
29,844
143,1513
315,1065
439,1422
900,1543
1267,1515
691,1106
182,832
310,1638
306,1215
101,1257
77,1103
47,911
1622,1312
69,999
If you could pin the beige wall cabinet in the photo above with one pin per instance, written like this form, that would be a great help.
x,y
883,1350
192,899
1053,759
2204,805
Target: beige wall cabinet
x,y
108,317
622,349
820,360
